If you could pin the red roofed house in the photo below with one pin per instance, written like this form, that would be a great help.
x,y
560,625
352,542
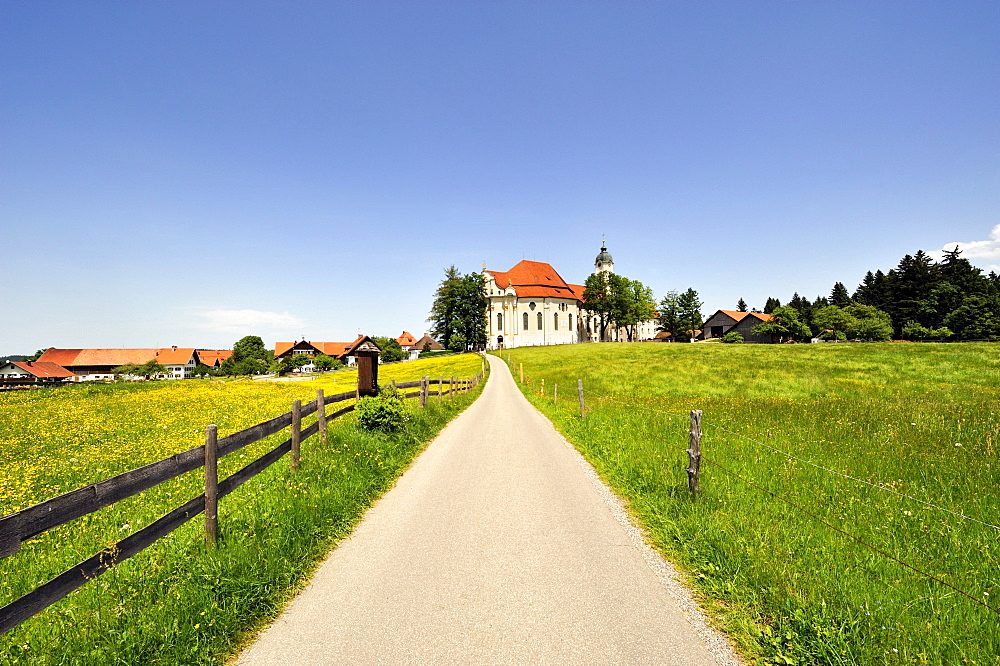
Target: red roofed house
x,y
213,358
406,341
33,372
95,364
532,305
724,321
342,351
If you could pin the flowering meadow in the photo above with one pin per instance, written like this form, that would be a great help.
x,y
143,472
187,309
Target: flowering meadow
x,y
850,501
177,602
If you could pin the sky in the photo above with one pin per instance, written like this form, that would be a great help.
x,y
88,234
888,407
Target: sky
x,y
187,173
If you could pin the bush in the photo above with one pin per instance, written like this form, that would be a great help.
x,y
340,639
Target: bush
x,y
384,412
732,337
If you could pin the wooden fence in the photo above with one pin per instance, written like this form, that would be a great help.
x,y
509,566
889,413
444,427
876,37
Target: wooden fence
x,y
34,520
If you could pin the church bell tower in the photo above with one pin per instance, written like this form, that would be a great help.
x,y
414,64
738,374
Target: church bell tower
x,y
604,263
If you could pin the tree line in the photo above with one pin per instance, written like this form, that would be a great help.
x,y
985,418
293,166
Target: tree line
x,y
919,299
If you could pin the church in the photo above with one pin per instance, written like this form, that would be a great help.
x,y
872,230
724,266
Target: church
x,y
531,304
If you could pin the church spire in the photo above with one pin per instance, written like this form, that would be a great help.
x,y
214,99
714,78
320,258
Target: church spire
x,y
604,263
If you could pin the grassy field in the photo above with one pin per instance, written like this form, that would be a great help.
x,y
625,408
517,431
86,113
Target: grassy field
x,y
176,602
915,425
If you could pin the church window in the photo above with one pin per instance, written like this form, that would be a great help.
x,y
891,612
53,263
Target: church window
x,y
555,321
526,321
539,321
571,321
500,321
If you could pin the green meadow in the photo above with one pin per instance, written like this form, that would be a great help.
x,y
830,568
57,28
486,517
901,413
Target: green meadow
x,y
849,492
177,602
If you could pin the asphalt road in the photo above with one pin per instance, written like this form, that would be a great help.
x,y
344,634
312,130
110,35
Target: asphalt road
x,y
499,545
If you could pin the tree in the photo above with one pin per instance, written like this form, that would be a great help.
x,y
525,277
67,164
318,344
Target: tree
x,y
689,307
126,370
785,322
833,318
151,369
670,314
741,305
459,307
870,324
599,296
324,362
458,342
391,349
839,295
250,357
771,304
637,306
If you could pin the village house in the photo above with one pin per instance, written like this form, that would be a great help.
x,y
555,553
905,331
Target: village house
x,y
342,351
725,321
406,341
97,364
213,358
33,372
531,304
418,346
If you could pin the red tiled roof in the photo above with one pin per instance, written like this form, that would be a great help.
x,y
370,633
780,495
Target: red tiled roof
x,y
110,357
535,279
174,355
44,369
406,339
213,358
69,358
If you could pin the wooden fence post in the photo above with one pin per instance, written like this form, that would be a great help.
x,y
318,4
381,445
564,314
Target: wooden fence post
x,y
451,393
211,486
694,454
321,416
296,432
579,390
521,365
440,387
555,394
541,391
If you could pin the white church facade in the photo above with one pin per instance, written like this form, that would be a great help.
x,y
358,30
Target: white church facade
x,y
531,304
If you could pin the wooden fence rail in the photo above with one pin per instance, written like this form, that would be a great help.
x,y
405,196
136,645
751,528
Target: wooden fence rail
x,y
34,520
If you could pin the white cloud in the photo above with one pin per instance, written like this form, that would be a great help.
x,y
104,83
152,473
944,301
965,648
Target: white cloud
x,y
249,321
984,253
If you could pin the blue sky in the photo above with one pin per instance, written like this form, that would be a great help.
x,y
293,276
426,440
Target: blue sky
x,y
188,172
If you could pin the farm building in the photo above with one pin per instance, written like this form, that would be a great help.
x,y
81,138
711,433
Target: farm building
x,y
342,351
33,372
95,364
418,346
213,358
725,321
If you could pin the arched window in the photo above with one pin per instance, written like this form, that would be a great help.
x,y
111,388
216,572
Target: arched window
x,y
525,319
500,321
555,321
571,323
539,321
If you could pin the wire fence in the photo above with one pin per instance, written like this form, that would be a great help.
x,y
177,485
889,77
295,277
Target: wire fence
x,y
714,461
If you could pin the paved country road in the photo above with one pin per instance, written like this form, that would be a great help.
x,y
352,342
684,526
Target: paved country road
x,y
499,545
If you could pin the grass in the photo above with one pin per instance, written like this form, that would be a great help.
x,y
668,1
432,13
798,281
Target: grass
x,y
177,602
921,420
